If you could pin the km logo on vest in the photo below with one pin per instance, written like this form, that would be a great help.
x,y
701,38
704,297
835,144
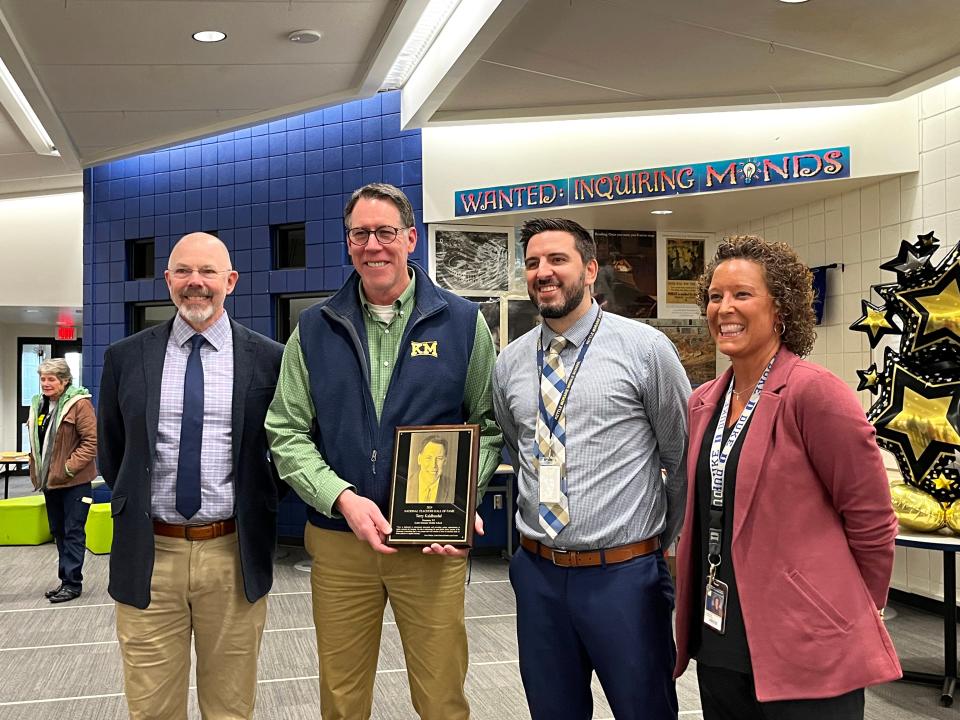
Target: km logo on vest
x,y
428,347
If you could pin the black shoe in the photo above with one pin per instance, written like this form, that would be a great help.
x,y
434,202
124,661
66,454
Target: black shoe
x,y
65,594
50,593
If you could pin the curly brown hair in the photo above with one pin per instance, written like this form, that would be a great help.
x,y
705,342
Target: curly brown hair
x,y
789,280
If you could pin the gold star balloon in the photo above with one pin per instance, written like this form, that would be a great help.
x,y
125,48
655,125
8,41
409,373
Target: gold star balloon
x,y
917,410
918,420
869,379
875,322
933,308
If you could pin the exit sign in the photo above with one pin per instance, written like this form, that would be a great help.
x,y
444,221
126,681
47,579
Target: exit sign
x,y
66,332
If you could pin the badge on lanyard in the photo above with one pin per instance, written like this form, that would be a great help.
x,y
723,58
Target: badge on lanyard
x,y
715,606
549,481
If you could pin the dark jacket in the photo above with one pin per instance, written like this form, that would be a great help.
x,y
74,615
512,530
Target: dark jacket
x,y
128,414
426,387
74,445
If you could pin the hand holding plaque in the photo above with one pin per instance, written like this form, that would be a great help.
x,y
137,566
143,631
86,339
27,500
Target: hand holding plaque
x,y
434,490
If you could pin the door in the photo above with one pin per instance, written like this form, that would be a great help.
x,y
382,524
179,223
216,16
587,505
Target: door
x,y
31,352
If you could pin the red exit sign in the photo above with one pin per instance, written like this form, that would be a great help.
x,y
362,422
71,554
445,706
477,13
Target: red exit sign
x,y
66,332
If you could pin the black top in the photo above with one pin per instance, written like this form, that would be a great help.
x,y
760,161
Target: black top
x,y
709,647
43,422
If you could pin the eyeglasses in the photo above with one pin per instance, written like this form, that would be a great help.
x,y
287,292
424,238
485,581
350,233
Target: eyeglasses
x,y
184,273
386,234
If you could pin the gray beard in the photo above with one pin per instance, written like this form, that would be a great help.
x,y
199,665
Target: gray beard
x,y
197,316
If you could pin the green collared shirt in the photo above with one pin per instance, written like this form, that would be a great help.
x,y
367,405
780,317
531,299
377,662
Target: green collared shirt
x,y
291,413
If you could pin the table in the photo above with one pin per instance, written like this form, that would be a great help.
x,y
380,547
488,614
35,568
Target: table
x,y
948,546
10,460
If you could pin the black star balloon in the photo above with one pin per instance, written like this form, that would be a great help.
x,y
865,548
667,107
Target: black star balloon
x,y
927,242
869,379
910,258
875,322
917,410
919,422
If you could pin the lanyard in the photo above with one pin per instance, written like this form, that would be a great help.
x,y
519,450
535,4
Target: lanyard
x,y
553,420
719,454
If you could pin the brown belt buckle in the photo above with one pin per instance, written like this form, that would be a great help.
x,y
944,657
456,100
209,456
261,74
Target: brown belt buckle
x,y
206,532
553,555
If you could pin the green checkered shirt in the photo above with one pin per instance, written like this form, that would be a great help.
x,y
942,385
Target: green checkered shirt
x,y
292,412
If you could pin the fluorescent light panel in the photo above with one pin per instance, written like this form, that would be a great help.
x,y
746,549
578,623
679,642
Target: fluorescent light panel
x,y
16,104
431,22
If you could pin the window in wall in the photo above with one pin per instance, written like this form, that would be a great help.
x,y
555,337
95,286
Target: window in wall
x,y
289,308
32,352
145,315
289,245
140,265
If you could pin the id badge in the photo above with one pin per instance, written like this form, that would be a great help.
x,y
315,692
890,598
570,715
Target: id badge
x,y
549,482
715,606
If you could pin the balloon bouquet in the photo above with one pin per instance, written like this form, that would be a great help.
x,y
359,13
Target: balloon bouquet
x,y
917,410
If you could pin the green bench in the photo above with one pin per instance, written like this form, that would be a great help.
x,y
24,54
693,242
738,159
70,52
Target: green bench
x,y
23,521
99,529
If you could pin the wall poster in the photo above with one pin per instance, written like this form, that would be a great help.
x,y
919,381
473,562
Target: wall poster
x,y
684,267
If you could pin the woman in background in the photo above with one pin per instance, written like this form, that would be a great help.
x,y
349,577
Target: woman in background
x,y
63,446
787,550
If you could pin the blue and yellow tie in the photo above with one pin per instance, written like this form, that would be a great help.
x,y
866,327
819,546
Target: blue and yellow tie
x,y
553,516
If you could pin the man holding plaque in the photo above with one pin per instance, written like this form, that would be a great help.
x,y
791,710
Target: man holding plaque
x,y
389,349
593,407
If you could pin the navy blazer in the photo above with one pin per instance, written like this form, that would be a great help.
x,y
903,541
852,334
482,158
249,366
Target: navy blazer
x,y
128,413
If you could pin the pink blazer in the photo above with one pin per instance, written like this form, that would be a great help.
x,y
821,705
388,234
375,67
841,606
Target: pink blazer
x,y
813,533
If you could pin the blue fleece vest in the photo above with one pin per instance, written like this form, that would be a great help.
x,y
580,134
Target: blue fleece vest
x,y
423,390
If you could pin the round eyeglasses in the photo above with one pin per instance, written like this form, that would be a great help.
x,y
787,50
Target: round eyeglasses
x,y
386,234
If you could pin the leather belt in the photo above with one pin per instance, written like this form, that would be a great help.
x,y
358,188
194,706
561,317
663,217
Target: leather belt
x,y
591,558
195,532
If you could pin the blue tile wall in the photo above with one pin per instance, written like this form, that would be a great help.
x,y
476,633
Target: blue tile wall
x,y
301,169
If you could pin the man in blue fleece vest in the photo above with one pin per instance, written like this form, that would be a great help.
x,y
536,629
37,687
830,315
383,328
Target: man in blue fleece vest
x,y
350,376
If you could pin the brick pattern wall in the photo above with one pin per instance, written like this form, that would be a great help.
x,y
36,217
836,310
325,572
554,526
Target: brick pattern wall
x,y
239,184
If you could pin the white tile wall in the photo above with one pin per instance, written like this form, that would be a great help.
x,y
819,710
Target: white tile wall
x,y
862,229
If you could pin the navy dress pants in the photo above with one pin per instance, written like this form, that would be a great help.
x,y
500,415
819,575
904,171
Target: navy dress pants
x,y
67,515
614,620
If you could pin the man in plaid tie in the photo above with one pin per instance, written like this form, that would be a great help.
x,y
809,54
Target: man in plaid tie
x,y
593,411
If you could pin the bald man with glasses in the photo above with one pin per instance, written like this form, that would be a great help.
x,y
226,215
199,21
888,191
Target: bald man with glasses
x,y
350,376
194,505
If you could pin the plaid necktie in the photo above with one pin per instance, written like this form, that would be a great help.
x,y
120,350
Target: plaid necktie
x,y
553,516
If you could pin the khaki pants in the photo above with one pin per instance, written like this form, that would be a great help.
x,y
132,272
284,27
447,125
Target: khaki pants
x,y
196,586
351,583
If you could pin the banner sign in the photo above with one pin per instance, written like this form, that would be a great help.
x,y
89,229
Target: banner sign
x,y
761,171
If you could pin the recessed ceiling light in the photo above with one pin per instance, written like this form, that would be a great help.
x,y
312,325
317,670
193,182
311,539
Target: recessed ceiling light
x,y
209,36
793,2
661,212
303,37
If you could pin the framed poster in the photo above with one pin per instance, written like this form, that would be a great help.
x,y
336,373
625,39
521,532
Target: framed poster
x,y
465,258
684,268
433,494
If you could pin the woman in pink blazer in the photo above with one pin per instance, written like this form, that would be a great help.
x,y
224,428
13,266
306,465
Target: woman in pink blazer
x,y
787,548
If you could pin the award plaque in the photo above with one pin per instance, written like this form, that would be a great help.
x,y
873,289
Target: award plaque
x,y
434,491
